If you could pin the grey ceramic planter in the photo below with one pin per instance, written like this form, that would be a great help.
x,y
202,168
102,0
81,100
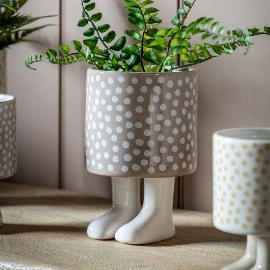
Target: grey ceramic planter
x,y
141,124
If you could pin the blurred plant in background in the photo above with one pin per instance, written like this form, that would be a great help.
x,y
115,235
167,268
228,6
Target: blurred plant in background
x,y
12,23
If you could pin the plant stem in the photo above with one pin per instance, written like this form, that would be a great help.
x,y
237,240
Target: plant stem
x,y
95,28
184,18
167,54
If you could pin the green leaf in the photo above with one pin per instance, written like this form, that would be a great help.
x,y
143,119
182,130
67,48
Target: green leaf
x,y
136,14
89,32
125,56
151,32
194,56
90,7
146,3
267,29
137,22
103,28
162,32
76,45
198,47
134,34
221,30
91,42
131,49
238,32
184,57
216,49
150,10
206,53
64,49
82,22
152,57
119,44
205,36
207,22
86,1
181,11
52,53
214,26
175,21
188,4
159,41
180,43
96,17
154,20
109,37
115,64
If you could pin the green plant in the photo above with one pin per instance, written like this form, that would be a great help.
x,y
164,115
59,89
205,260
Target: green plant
x,y
154,49
11,23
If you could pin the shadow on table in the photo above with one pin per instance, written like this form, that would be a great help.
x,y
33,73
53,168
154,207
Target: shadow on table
x,y
64,200
12,229
186,235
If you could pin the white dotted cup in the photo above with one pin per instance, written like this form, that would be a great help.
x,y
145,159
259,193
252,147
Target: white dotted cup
x,y
141,124
241,175
8,149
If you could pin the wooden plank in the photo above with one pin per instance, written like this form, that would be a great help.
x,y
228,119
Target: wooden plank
x,y
233,90
46,229
74,175
37,96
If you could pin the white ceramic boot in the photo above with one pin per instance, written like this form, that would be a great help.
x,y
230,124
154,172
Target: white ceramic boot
x,y
263,253
249,259
125,206
154,223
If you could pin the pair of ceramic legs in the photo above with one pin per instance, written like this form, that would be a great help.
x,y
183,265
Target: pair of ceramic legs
x,y
130,223
257,255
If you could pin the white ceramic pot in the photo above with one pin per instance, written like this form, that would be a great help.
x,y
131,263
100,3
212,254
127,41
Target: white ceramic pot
x,y
8,149
241,174
141,124
3,78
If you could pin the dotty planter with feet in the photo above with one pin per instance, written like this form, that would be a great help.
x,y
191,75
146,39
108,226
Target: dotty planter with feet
x,y
3,71
140,125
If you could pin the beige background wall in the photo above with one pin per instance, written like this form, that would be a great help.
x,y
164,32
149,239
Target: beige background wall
x,y
234,92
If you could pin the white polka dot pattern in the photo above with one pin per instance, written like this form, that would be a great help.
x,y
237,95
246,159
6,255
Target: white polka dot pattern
x,y
8,150
241,175
2,71
135,122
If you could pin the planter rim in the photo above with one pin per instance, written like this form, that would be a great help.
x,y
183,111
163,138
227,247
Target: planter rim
x,y
189,70
226,134
6,98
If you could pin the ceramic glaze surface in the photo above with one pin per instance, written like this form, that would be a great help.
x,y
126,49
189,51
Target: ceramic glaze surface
x,y
242,183
2,71
8,150
141,124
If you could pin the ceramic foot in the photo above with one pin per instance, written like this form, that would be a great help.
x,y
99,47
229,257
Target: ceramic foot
x,y
125,206
263,253
249,259
154,223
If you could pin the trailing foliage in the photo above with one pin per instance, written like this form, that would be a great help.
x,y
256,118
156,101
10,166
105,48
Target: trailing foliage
x,y
153,48
11,23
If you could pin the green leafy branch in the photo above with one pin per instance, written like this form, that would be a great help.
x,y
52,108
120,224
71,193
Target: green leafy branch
x,y
154,49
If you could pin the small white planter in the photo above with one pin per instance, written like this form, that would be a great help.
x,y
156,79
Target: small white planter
x,y
241,174
141,124
3,76
8,149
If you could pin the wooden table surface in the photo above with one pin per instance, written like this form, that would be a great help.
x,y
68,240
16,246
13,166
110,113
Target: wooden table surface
x,y
46,229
